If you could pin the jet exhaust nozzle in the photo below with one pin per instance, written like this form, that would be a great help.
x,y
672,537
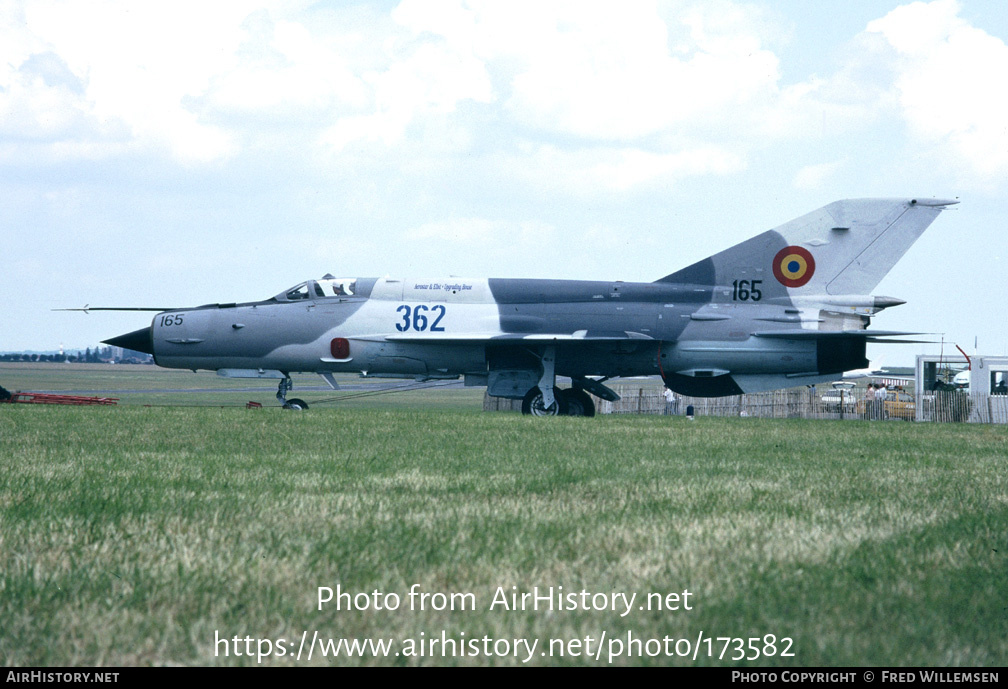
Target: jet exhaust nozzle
x,y
139,341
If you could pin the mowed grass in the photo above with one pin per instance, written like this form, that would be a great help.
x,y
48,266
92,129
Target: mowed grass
x,y
148,385
138,535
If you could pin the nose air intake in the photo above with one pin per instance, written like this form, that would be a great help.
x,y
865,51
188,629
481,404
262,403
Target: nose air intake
x,y
138,340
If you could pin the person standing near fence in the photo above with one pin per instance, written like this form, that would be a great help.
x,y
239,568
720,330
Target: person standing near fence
x,y
671,402
875,402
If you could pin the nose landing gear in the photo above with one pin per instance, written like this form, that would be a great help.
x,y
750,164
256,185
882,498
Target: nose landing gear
x,y
286,384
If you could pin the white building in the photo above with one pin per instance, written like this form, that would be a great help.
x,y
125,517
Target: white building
x,y
986,400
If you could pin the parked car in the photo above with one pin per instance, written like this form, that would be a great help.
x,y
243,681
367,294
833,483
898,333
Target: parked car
x,y
898,404
841,397
962,381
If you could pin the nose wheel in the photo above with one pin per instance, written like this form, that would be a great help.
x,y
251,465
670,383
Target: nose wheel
x,y
286,385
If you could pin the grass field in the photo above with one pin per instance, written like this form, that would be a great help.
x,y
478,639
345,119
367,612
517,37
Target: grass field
x,y
136,535
150,385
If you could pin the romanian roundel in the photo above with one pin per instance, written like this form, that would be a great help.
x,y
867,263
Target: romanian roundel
x,y
793,266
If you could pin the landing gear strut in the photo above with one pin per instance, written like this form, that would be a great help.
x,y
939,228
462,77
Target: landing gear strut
x,y
286,384
545,399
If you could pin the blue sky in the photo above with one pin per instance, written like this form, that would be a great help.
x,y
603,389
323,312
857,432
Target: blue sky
x,y
202,152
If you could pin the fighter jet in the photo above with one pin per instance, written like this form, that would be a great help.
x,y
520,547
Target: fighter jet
x,y
786,308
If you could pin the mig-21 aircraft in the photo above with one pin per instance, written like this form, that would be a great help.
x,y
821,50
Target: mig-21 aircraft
x,y
788,307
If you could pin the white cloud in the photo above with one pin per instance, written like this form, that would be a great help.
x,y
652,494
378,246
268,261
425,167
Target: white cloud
x,y
947,78
430,80
284,71
573,95
607,72
421,75
203,81
135,63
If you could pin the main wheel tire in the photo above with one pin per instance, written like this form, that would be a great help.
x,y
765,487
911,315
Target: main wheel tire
x,y
579,403
533,403
296,404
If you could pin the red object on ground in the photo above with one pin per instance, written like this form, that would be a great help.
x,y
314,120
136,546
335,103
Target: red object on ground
x,y
46,398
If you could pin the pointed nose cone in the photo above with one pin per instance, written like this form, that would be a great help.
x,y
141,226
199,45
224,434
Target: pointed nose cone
x,y
138,340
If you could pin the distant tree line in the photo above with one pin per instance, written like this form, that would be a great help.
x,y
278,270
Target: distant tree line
x,y
98,355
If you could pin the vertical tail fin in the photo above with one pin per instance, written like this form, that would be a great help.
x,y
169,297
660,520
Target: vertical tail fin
x,y
846,248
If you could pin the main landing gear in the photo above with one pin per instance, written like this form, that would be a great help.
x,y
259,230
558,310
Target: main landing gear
x,y
286,384
546,399
567,402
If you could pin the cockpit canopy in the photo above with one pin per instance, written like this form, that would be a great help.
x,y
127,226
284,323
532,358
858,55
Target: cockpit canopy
x,y
327,287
